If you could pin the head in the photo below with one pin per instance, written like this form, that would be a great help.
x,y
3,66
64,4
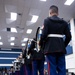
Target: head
x,y
53,10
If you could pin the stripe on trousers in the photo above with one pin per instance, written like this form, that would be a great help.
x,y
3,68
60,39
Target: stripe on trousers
x,y
48,68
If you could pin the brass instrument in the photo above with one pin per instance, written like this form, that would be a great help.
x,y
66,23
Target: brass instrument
x,y
28,45
38,38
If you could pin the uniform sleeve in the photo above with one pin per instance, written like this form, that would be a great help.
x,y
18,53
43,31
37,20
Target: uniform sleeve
x,y
44,32
32,46
67,35
24,54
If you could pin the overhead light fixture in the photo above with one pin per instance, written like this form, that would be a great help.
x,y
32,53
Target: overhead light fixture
x,y
25,39
0,37
23,44
13,16
29,31
12,38
1,43
34,18
69,2
12,44
43,0
13,30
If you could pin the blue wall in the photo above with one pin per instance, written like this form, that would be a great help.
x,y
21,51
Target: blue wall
x,y
9,55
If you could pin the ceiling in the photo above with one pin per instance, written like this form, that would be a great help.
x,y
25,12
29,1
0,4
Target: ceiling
x,y
25,9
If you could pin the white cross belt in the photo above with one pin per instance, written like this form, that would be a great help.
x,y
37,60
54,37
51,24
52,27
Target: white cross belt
x,y
56,35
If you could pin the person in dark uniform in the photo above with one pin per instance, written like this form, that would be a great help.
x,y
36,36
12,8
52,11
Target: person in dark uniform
x,y
53,44
27,57
37,57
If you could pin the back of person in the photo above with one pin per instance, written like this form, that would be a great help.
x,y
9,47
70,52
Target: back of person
x,y
55,26
37,55
27,59
54,46
33,50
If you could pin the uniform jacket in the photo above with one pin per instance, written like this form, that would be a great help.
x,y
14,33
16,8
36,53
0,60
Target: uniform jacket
x,y
55,25
26,60
35,55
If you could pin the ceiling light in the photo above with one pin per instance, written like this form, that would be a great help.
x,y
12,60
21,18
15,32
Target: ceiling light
x,y
23,44
25,39
12,38
69,2
0,37
1,43
12,44
13,30
43,0
13,16
34,18
29,31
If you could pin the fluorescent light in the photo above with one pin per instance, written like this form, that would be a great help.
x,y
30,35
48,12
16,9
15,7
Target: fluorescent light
x,y
43,0
23,44
0,37
13,30
12,38
6,64
34,18
1,43
13,16
12,44
69,2
25,39
29,31
6,58
10,52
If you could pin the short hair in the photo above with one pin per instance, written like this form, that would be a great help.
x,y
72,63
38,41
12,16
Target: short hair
x,y
54,9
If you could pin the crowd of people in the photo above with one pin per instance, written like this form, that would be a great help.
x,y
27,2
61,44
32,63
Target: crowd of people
x,y
51,43
5,71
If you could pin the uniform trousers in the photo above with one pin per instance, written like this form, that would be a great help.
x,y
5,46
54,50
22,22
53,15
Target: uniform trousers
x,y
57,64
29,69
38,66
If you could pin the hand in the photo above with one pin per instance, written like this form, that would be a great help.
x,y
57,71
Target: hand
x,y
38,42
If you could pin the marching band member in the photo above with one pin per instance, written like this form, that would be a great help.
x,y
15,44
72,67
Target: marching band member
x,y
27,57
37,55
55,46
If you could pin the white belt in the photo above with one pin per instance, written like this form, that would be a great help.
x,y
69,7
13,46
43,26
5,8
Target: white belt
x,y
56,35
